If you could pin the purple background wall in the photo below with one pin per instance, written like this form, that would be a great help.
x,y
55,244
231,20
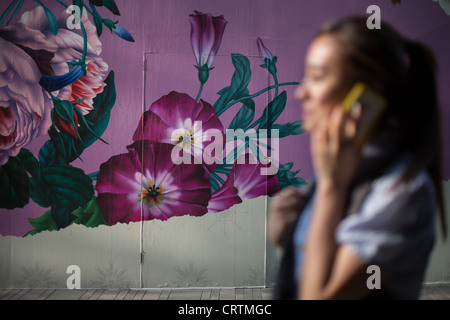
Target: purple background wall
x,y
161,31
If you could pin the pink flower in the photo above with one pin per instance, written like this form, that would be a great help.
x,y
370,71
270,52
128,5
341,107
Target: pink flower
x,y
30,50
24,106
145,184
178,119
69,47
249,181
206,36
224,198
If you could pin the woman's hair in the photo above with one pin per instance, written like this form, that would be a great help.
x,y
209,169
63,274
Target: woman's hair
x,y
403,71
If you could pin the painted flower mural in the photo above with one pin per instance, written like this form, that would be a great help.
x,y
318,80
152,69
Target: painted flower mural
x,y
25,107
206,37
145,184
181,159
178,119
52,82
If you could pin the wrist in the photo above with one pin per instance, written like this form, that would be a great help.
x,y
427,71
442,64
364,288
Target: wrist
x,y
330,186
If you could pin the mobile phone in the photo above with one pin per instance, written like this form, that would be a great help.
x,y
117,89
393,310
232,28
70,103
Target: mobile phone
x,y
371,106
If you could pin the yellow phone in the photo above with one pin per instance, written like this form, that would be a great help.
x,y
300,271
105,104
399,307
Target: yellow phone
x,y
371,107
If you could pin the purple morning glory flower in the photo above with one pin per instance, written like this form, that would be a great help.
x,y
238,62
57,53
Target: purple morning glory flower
x,y
178,119
266,57
206,36
249,181
264,53
145,184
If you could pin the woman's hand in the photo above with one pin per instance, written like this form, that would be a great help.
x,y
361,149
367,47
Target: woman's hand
x,y
335,155
283,211
331,270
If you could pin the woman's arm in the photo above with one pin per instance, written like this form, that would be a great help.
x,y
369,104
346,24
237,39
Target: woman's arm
x,y
331,271
283,211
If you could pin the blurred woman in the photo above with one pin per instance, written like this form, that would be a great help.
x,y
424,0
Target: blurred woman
x,y
369,204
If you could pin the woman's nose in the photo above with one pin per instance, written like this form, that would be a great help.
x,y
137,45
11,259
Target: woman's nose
x,y
300,92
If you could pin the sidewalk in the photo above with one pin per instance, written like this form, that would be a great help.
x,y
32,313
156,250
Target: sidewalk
x,y
429,292
138,294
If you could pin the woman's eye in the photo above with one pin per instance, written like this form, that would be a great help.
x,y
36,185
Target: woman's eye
x,y
316,77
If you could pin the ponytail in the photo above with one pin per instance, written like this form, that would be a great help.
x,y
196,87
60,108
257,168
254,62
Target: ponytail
x,y
422,123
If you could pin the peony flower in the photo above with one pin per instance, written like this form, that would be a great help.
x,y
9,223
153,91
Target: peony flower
x,y
24,105
72,85
145,184
178,120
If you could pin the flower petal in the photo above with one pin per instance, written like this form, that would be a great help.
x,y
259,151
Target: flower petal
x,y
53,83
122,33
224,198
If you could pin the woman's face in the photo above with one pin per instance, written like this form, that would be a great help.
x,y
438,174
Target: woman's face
x,y
325,83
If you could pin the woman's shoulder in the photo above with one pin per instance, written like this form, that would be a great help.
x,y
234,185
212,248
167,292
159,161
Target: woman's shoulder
x,y
392,197
392,184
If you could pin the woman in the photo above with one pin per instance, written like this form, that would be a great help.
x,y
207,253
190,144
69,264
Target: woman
x,y
369,205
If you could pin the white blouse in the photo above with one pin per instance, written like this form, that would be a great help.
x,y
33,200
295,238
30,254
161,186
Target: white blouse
x,y
394,230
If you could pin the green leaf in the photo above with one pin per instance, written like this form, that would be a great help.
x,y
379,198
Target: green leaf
x,y
63,186
111,5
245,115
100,115
29,162
19,6
214,184
79,4
288,129
62,215
97,20
239,82
42,223
14,184
90,215
286,177
52,21
61,149
273,111
47,154
8,10
64,109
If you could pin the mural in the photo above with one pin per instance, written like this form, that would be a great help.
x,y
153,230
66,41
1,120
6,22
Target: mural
x,y
182,161
143,142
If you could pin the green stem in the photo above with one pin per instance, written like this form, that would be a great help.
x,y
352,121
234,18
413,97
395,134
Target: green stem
x,y
83,58
199,92
64,4
218,179
7,11
257,94
83,30
88,10
275,79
